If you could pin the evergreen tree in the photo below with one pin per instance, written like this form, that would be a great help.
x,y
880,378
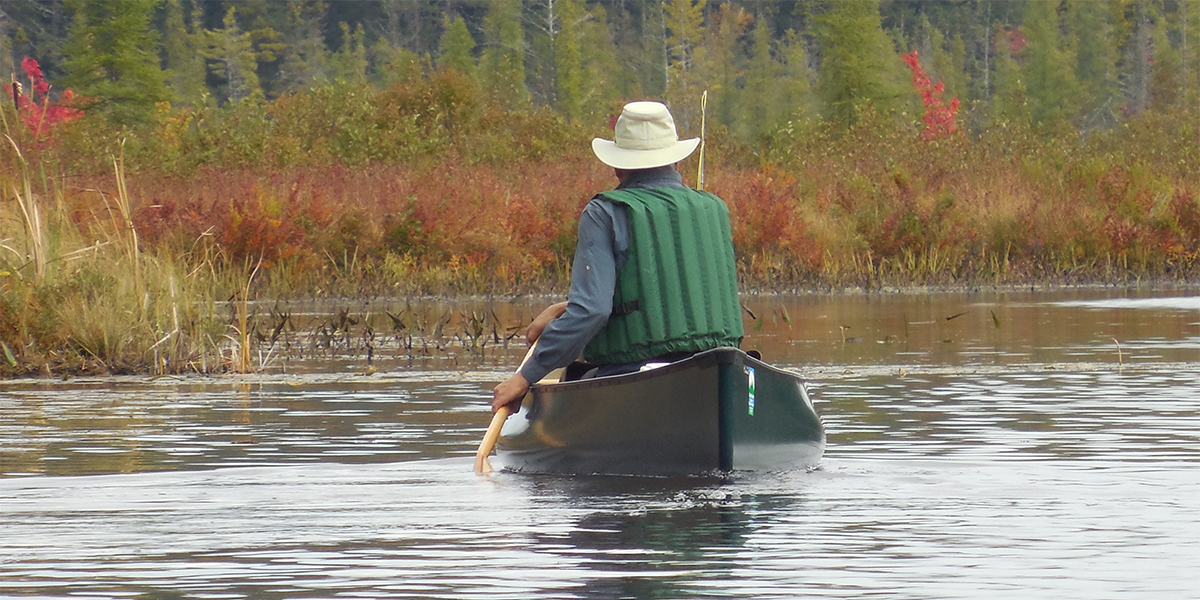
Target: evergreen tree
x,y
956,77
234,60
7,27
262,21
1009,104
798,99
111,57
1049,73
305,60
349,63
37,30
1096,61
389,64
653,52
640,39
601,89
1139,57
412,25
185,63
761,106
723,65
685,52
945,61
542,25
1189,15
456,47
1165,82
858,62
502,64
568,59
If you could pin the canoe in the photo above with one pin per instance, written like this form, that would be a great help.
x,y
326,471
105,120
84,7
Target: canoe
x,y
717,411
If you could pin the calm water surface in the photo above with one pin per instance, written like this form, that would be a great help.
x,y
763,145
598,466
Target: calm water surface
x,y
1029,446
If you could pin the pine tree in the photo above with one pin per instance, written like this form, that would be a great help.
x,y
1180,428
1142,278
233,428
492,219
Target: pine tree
x,y
858,62
640,40
7,64
653,52
543,25
1096,61
262,20
234,59
349,63
1189,15
111,57
724,63
568,59
1009,103
685,53
603,73
389,64
798,99
410,25
1165,79
958,81
456,46
946,62
502,64
305,60
1049,73
185,64
761,108
1139,57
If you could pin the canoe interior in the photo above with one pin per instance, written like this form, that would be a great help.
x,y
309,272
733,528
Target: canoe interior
x,y
690,417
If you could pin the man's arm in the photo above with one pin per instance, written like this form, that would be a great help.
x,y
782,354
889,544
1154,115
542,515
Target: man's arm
x,y
540,322
589,303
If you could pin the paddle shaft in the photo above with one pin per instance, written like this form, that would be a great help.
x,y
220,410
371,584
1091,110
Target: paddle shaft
x,y
482,465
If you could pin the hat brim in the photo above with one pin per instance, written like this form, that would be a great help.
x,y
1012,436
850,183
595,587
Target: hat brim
x,y
621,158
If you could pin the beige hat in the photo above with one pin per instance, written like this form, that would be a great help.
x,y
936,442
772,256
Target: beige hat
x,y
645,138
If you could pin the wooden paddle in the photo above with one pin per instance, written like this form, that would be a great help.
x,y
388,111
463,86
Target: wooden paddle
x,y
482,465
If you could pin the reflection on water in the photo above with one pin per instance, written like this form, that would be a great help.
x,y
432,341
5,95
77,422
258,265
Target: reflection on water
x,y
1007,329
902,528
1019,460
129,425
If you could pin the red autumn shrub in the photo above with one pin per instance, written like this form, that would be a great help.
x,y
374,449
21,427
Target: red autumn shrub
x,y
939,117
39,113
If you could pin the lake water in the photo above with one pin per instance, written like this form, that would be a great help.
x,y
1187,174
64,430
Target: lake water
x,y
985,445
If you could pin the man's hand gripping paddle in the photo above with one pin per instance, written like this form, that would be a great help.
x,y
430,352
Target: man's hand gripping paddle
x,y
482,465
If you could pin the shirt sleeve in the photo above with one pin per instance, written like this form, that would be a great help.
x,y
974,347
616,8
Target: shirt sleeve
x,y
589,301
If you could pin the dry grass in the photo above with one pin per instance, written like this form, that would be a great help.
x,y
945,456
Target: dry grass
x,y
159,269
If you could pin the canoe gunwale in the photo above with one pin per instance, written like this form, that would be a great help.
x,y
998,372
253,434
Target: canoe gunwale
x,y
707,358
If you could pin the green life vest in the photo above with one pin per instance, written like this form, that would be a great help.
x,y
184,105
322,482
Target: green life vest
x,y
677,291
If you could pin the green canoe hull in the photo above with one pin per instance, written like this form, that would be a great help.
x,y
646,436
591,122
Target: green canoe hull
x,y
695,416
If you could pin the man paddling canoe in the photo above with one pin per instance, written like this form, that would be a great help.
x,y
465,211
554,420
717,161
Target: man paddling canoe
x,y
653,279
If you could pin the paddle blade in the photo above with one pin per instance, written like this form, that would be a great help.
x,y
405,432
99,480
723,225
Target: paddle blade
x,y
482,465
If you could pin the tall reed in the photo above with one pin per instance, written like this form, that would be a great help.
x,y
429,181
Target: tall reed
x,y
31,213
126,212
96,300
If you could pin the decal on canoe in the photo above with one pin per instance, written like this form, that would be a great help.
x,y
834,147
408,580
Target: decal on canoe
x,y
750,388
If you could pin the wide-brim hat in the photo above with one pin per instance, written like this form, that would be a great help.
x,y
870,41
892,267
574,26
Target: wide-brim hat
x,y
645,138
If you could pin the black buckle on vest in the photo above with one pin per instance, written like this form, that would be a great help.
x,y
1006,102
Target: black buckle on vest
x,y
625,308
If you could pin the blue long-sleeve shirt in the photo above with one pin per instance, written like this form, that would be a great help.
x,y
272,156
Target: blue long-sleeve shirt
x,y
600,252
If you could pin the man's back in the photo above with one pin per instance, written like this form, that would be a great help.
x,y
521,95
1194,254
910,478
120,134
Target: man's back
x,y
676,292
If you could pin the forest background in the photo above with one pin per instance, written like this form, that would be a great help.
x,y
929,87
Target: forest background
x,y
164,157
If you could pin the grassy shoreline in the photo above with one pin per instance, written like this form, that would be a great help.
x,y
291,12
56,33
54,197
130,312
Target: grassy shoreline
x,y
154,268
367,331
